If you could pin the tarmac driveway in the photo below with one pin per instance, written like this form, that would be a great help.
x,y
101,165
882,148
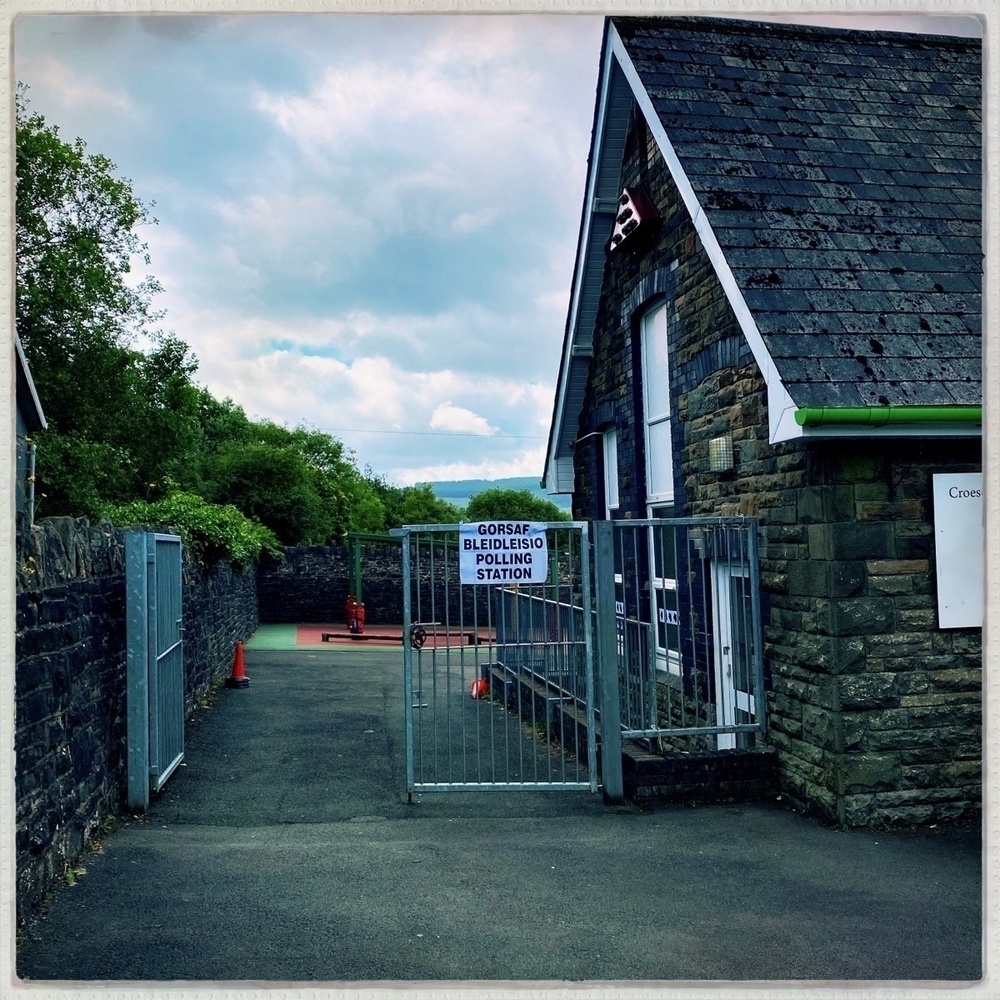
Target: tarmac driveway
x,y
284,850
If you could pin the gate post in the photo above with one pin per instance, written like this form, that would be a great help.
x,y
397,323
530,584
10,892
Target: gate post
x,y
137,669
407,662
607,662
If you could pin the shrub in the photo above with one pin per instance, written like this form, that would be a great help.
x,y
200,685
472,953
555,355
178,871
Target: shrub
x,y
209,531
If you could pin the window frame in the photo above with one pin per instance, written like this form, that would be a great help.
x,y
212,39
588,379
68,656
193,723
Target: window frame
x,y
656,386
612,492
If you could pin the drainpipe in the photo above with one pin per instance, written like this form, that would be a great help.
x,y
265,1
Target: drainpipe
x,y
881,416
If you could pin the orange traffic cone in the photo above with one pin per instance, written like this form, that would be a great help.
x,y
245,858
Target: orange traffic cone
x,y
238,678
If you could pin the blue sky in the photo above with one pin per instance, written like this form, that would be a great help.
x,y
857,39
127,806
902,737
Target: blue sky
x,y
367,223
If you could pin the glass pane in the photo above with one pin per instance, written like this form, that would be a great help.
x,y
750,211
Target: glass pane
x,y
740,609
664,557
661,482
667,635
655,372
611,469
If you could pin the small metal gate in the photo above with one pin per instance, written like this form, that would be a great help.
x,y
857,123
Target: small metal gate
x,y
155,662
687,624
498,678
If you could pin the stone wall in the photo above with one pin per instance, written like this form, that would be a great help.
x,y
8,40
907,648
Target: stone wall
x,y
311,585
875,711
70,684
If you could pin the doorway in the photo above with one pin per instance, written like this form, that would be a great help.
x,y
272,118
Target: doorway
x,y
732,615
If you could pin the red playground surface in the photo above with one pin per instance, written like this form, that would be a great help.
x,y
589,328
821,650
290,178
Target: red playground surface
x,y
434,637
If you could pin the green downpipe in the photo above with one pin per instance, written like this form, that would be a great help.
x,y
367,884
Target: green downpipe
x,y
880,416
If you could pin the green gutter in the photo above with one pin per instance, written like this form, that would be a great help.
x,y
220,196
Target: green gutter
x,y
880,416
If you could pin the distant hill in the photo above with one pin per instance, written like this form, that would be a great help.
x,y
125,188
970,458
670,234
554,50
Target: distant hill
x,y
460,491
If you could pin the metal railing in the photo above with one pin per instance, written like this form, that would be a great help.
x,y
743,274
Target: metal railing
x,y
544,637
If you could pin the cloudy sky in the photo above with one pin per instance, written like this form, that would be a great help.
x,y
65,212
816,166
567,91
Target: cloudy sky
x,y
367,223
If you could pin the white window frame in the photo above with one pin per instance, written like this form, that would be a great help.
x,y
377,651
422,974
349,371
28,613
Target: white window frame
x,y
612,497
656,386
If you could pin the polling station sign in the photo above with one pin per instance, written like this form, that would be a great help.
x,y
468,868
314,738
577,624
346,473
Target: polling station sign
x,y
503,552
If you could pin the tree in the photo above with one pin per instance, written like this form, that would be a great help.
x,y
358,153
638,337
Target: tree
x,y
412,504
120,420
276,487
75,225
497,504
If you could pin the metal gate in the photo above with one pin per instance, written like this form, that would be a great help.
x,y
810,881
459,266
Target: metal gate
x,y
643,630
499,682
687,624
155,662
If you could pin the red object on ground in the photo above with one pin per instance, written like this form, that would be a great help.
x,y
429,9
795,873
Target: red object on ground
x,y
480,688
359,619
238,678
349,609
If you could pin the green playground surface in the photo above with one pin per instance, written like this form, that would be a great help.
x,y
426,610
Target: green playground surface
x,y
273,637
295,636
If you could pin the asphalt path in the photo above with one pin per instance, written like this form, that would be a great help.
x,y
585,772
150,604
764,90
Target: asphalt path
x,y
284,850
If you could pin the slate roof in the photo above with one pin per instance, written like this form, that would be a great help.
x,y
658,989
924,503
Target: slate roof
x,y
841,173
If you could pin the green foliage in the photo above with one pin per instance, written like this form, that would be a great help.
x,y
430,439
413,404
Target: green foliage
x,y
75,227
411,504
301,483
512,505
276,486
210,532
74,873
119,419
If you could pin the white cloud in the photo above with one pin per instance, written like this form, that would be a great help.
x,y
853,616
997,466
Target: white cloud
x,y
73,91
526,463
469,118
389,413
447,417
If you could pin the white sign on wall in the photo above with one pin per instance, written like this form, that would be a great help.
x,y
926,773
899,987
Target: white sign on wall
x,y
503,552
959,542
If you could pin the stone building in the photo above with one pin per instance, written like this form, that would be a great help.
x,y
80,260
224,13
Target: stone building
x,y
776,313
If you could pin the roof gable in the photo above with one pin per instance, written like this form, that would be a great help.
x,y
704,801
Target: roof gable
x,y
835,180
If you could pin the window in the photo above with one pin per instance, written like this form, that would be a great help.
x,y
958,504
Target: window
x,y
656,406
610,472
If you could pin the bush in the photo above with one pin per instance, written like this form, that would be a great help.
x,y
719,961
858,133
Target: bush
x,y
496,504
211,532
